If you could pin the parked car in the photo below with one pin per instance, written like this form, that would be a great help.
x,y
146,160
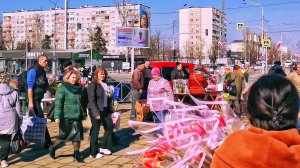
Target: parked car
x,y
287,63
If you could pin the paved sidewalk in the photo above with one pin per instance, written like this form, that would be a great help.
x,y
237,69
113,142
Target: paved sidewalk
x,y
35,156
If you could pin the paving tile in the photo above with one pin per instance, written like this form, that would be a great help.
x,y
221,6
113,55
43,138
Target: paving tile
x,y
102,161
35,156
54,165
121,161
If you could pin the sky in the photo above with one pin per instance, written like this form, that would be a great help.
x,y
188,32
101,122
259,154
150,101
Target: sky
x,y
279,15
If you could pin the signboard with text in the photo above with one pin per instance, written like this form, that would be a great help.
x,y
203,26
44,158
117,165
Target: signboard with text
x,y
33,55
132,37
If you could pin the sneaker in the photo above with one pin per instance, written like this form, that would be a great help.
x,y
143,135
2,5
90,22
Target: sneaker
x,y
4,163
105,151
99,155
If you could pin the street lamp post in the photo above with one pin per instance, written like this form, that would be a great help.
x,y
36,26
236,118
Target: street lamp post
x,y
54,59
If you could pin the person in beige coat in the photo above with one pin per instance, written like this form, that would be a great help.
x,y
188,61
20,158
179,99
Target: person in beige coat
x,y
237,78
294,77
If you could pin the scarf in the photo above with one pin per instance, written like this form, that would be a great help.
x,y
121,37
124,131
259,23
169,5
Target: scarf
x,y
75,89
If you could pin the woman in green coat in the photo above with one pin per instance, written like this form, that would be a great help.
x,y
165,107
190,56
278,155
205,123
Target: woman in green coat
x,y
69,113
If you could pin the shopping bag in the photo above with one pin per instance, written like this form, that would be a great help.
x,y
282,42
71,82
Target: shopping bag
x,y
116,120
33,129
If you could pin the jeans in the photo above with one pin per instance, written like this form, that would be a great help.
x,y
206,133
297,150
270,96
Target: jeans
x,y
135,95
4,146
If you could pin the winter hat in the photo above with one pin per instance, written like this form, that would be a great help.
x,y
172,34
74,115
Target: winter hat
x,y
155,71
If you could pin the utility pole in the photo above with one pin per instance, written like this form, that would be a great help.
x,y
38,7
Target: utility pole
x,y
66,25
173,45
279,48
54,58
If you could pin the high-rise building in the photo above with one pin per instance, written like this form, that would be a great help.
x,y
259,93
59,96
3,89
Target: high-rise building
x,y
81,24
199,30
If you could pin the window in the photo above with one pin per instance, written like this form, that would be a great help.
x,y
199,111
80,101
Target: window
x,y
106,17
206,32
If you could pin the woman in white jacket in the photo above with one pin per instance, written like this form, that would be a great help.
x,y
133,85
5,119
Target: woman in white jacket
x,y
10,116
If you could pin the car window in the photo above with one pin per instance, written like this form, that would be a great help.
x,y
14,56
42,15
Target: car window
x,y
166,72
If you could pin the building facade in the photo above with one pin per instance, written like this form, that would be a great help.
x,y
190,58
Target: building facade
x,y
199,30
81,24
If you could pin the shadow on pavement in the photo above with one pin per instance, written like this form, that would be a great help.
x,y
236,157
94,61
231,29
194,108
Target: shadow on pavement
x,y
122,139
33,152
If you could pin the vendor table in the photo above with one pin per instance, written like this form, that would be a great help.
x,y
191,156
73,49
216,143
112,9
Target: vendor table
x,y
180,97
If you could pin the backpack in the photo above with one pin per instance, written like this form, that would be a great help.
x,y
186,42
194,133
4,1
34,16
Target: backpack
x,y
22,81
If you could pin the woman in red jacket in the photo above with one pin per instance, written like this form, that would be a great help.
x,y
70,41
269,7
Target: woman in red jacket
x,y
197,83
273,141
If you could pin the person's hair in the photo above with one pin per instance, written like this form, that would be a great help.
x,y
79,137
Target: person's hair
x,y
42,56
4,78
97,71
68,74
77,65
273,103
277,63
177,64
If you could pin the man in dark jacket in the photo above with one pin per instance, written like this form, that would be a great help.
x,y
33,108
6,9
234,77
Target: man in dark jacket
x,y
178,73
274,67
37,85
147,77
137,82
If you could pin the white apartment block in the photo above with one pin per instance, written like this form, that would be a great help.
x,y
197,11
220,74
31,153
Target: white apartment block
x,y
199,29
36,24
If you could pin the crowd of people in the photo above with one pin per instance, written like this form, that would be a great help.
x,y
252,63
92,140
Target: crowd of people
x,y
72,99
272,109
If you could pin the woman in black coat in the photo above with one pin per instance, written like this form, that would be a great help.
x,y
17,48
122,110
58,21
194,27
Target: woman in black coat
x,y
100,109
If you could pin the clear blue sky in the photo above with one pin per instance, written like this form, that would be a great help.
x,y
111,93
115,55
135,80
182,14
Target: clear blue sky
x,y
280,15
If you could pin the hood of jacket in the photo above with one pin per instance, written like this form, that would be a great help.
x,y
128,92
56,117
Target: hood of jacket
x,y
256,147
5,89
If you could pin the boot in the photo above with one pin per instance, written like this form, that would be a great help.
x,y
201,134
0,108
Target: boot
x,y
52,150
77,156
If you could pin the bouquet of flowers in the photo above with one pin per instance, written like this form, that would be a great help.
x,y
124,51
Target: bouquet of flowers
x,y
180,86
188,136
53,82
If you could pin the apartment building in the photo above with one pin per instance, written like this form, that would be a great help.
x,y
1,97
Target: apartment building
x,y
199,29
81,24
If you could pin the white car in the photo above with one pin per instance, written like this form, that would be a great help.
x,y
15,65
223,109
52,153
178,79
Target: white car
x,y
287,63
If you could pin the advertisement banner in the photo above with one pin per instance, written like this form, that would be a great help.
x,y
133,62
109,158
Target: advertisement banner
x,y
132,37
144,16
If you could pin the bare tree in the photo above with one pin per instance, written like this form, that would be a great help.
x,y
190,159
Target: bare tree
x,y
251,47
153,52
21,45
213,52
273,54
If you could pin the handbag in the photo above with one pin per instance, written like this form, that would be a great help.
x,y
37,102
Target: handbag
x,y
231,90
116,118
